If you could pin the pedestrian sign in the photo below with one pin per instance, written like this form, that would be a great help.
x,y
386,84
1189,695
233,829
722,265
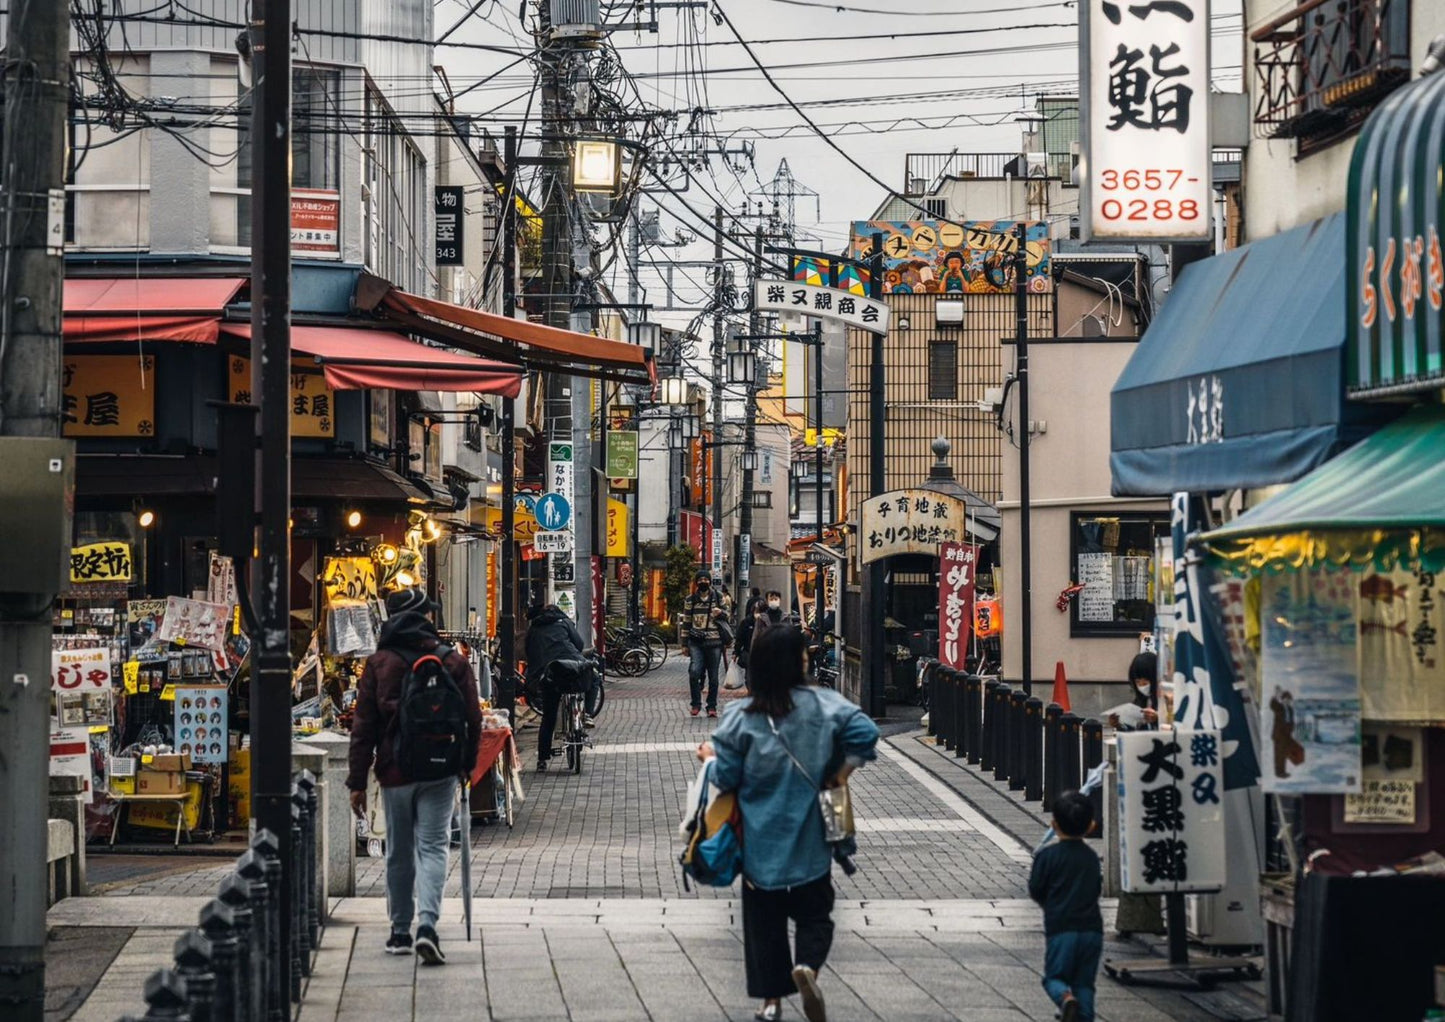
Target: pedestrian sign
x,y
554,513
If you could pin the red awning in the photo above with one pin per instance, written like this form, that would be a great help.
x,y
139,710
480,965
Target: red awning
x,y
357,359
146,308
517,341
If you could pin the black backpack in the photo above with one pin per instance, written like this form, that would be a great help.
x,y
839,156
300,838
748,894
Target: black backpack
x,y
431,730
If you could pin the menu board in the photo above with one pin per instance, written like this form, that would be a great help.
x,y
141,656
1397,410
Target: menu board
x,y
1096,575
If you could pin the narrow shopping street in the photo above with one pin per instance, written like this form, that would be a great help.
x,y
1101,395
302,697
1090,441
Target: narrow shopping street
x,y
580,912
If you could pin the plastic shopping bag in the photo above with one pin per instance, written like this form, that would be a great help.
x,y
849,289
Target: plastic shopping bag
x,y
735,676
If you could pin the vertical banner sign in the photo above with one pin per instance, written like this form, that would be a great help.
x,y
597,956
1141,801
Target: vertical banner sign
x,y
1171,812
448,206
956,562
599,603
621,454
559,470
1145,120
619,533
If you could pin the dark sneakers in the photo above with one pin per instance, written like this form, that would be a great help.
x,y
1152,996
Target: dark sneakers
x,y
806,980
428,947
398,944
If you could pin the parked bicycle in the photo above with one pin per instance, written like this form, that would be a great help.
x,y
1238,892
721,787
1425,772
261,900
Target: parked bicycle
x,y
651,646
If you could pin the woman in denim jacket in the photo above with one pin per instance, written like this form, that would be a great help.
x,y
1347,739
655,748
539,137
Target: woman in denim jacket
x,y
787,863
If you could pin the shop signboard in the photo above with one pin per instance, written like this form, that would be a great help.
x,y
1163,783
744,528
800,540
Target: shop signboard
x,y
1394,266
560,470
313,403
1171,812
938,257
448,207
348,579
791,296
909,522
956,581
108,395
621,454
201,723
108,561
619,535
80,687
70,757
316,222
1144,121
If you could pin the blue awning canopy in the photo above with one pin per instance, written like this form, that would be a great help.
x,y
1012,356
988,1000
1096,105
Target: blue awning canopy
x,y
1239,381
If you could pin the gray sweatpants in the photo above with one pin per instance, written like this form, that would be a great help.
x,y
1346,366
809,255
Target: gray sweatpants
x,y
418,821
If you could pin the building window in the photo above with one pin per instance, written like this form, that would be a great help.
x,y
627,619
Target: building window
x,y
1321,69
1113,558
943,371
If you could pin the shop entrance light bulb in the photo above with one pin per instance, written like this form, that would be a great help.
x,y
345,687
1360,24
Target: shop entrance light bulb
x,y
146,518
353,519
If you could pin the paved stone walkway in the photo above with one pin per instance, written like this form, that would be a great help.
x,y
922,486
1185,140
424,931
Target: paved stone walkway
x,y
580,914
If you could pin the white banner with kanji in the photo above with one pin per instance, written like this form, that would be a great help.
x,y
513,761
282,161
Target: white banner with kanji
x,y
1171,812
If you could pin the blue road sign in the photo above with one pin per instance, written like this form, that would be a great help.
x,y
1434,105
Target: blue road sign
x,y
553,511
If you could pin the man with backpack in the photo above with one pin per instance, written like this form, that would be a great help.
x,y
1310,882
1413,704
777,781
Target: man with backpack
x,y
418,716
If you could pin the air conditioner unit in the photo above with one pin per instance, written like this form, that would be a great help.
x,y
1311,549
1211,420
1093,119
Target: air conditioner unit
x,y
575,19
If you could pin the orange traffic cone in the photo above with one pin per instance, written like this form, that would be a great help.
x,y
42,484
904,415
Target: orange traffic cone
x,y
1061,687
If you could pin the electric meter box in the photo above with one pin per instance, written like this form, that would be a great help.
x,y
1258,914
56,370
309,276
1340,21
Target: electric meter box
x,y
37,501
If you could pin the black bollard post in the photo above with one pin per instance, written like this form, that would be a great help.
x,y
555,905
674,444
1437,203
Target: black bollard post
x,y
195,965
1093,756
296,951
1018,731
1052,735
307,781
1033,749
940,719
305,870
1071,752
278,958
958,709
935,703
218,923
986,728
165,995
250,951
972,717
1000,732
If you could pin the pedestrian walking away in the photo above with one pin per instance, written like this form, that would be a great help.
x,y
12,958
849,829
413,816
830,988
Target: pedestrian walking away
x,y
1067,880
418,720
701,630
777,749
551,636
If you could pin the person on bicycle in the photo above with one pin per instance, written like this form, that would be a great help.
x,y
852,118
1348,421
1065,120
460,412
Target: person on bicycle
x,y
700,633
551,636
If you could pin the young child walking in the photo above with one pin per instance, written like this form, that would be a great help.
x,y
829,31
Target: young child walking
x,y
1066,880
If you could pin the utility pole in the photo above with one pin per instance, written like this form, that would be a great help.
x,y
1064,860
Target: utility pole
x,y
744,555
717,382
507,612
634,499
818,442
1021,334
36,92
873,698
271,379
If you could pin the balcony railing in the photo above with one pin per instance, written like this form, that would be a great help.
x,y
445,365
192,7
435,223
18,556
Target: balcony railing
x,y
1323,66
923,173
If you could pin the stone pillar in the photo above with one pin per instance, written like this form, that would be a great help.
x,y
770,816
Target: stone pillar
x,y
337,825
66,804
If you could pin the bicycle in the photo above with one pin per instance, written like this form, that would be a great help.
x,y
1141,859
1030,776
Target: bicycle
x,y
651,646
573,712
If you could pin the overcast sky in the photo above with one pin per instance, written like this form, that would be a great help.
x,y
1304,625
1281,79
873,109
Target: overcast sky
x,y
977,62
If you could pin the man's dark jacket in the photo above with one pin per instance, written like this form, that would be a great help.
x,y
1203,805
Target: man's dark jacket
x,y
551,636
403,638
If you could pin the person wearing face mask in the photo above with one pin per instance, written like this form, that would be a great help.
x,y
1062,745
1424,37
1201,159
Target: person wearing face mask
x,y
767,612
700,632
1142,712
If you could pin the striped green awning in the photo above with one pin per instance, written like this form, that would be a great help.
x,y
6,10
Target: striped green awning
x,y
1395,268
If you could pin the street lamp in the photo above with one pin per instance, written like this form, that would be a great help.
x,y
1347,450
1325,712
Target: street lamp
x,y
597,166
760,499
672,390
742,364
689,426
749,460
675,439
645,335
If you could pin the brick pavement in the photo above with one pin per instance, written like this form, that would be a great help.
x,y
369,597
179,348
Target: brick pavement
x,y
581,914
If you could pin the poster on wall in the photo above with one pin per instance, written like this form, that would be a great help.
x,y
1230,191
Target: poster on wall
x,y
316,221
956,581
195,623
201,724
80,687
70,757
1096,575
1171,811
1310,705
1402,625
144,618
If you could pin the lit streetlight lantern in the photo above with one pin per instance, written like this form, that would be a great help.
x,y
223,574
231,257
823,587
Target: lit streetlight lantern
x,y
596,166
742,366
672,390
645,335
749,460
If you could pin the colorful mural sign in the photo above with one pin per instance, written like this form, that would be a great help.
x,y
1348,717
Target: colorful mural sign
x,y
934,257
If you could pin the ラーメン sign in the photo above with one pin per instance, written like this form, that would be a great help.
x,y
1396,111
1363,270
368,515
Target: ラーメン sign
x,y
909,522
1144,120
824,302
